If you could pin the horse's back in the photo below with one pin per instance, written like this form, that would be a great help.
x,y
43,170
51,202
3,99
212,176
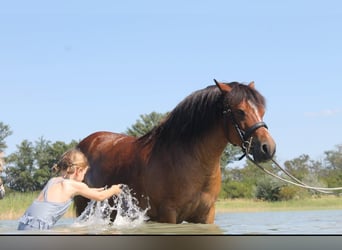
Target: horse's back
x,y
98,139
111,156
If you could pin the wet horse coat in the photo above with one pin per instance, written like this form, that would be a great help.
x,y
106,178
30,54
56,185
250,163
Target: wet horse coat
x,y
175,168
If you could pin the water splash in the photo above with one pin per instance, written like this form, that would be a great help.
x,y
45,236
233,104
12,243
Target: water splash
x,y
129,214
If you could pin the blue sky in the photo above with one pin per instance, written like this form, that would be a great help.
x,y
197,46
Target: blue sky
x,y
70,68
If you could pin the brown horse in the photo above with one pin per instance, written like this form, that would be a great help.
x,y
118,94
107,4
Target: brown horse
x,y
177,164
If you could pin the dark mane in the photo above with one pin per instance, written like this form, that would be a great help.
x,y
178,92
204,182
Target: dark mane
x,y
199,112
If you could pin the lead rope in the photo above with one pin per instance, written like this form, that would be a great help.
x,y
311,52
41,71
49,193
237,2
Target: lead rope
x,y
294,180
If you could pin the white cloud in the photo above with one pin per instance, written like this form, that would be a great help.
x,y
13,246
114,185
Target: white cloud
x,y
323,113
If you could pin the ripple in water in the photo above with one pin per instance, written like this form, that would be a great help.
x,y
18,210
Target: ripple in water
x,y
129,214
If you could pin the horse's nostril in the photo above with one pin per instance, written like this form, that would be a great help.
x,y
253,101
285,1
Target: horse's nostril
x,y
265,149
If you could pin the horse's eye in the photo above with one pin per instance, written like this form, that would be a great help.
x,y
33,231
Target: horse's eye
x,y
240,113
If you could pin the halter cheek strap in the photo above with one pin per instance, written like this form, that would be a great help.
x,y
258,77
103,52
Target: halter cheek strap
x,y
244,135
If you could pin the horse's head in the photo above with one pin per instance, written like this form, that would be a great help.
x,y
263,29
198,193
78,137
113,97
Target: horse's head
x,y
243,111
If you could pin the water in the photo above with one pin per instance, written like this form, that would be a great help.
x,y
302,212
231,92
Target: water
x,y
131,219
294,222
129,214
285,222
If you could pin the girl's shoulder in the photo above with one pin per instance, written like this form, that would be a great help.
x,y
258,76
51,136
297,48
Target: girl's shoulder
x,y
73,183
71,187
54,180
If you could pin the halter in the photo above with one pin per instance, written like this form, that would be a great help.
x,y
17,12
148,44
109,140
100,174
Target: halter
x,y
245,136
246,142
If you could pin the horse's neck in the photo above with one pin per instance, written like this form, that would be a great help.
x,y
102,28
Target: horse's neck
x,y
210,147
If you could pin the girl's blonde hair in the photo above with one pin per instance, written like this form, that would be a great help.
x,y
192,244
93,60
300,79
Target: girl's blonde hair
x,y
70,159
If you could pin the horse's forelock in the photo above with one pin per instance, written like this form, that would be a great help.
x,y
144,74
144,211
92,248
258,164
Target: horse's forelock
x,y
241,92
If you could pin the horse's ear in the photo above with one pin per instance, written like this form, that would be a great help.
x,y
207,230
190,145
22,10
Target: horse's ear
x,y
251,85
223,87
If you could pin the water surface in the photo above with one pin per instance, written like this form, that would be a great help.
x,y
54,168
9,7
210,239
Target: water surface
x,y
132,220
270,223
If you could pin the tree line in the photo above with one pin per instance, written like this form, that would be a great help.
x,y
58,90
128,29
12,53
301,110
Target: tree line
x,y
28,168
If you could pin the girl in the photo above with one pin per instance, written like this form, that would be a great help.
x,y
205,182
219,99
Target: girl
x,y
57,195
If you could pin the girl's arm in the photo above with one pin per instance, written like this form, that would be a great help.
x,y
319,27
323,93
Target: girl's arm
x,y
98,194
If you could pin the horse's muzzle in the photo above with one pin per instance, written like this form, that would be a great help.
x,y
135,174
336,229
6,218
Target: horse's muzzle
x,y
263,151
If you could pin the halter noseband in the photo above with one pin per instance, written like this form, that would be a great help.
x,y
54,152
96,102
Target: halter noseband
x,y
245,136
251,130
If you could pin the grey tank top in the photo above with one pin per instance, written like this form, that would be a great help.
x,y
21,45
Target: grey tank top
x,y
44,214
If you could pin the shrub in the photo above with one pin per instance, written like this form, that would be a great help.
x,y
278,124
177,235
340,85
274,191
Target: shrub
x,y
235,189
288,192
267,189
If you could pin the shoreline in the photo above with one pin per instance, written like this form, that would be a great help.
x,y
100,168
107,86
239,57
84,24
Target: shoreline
x,y
12,208
253,206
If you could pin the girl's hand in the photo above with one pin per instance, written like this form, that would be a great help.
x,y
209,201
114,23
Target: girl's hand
x,y
116,189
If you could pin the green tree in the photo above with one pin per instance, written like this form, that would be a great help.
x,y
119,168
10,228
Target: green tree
x,y
145,124
239,182
230,154
20,168
46,155
28,169
43,162
333,167
299,167
5,131
251,173
308,171
250,181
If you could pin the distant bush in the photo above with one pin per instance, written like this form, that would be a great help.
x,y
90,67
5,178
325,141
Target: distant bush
x,y
235,189
267,189
288,193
